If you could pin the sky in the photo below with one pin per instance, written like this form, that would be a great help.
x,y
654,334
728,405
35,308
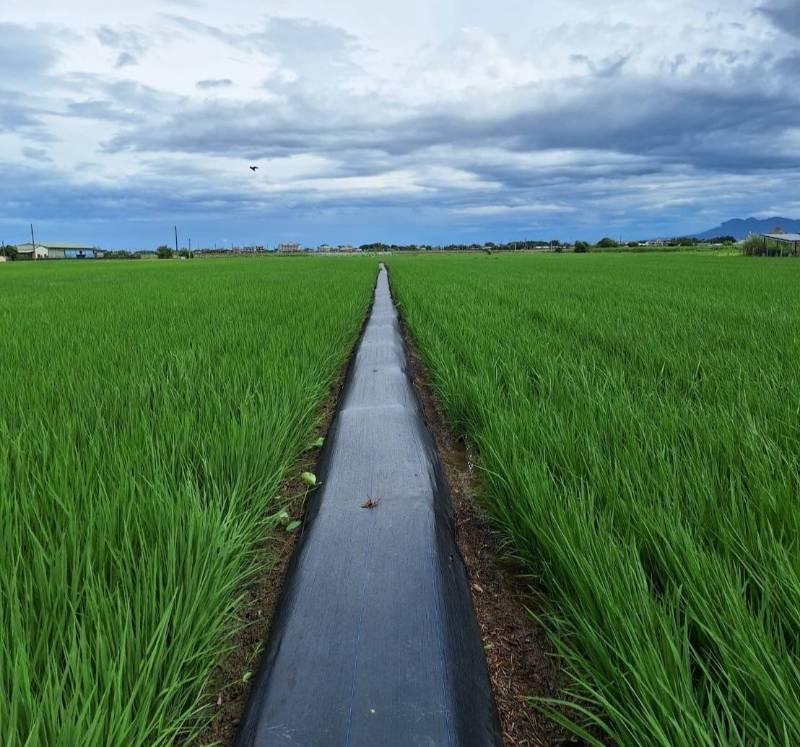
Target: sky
x,y
421,121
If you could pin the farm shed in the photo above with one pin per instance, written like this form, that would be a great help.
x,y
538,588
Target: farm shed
x,y
56,251
791,241
27,251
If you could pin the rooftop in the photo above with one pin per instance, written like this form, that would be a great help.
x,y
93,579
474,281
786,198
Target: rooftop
x,y
790,237
46,245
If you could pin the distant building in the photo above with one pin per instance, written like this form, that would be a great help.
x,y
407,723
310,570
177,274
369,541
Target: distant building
x,y
28,251
288,248
248,249
221,251
57,251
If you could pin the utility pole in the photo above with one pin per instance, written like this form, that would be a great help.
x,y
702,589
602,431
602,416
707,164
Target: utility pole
x,y
33,243
176,239
190,245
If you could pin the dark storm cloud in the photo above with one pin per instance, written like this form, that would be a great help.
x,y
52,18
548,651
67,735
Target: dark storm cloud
x,y
515,176
784,15
53,199
619,136
733,128
161,193
643,117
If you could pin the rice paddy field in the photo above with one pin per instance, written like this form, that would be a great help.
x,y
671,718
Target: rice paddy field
x,y
148,412
637,420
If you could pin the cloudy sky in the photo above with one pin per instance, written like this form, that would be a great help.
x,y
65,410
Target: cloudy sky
x,y
412,121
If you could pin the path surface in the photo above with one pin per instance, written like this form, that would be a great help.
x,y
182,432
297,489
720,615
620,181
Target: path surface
x,y
374,642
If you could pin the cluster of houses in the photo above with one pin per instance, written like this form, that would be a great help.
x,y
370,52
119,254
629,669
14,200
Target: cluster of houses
x,y
57,251
283,248
323,248
40,251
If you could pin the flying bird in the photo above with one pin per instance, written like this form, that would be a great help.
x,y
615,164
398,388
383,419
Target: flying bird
x,y
253,168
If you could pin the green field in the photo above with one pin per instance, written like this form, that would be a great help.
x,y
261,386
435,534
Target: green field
x,y
638,425
147,414
637,419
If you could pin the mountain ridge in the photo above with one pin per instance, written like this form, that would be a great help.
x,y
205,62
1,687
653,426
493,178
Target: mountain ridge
x,y
741,228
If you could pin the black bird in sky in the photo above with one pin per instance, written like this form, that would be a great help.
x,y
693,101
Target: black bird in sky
x,y
253,168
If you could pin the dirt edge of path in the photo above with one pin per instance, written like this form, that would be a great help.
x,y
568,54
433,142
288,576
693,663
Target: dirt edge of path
x,y
519,656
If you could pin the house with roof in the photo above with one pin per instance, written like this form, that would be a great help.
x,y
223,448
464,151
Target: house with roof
x,y
57,251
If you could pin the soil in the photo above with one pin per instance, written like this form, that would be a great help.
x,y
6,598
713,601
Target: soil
x,y
519,655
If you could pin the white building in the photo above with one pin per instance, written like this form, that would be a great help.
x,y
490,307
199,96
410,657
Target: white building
x,y
56,251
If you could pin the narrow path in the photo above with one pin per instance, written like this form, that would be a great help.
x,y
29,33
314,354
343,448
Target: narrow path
x,y
374,641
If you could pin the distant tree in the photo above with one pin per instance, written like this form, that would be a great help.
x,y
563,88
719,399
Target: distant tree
x,y
164,252
8,251
186,254
607,243
753,246
120,254
718,240
633,244
581,247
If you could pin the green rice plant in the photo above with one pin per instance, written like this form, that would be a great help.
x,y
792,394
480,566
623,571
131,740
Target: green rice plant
x,y
148,413
638,424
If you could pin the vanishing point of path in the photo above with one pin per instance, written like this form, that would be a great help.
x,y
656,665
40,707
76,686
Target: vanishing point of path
x,y
374,641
